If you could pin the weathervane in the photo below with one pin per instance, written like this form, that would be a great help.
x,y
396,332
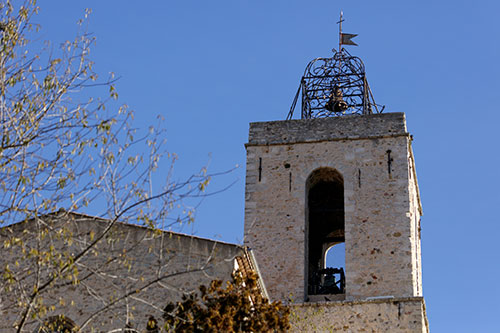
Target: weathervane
x,y
335,86
345,39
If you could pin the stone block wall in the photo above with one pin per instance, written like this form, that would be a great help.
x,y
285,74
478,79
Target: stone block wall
x,y
415,215
380,200
381,315
151,268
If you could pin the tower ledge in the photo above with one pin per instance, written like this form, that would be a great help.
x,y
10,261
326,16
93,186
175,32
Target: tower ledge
x,y
327,129
402,314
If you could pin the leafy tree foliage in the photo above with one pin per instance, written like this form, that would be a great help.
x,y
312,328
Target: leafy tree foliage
x,y
239,307
59,324
66,145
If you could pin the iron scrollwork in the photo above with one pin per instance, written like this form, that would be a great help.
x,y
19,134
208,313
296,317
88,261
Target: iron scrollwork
x,y
334,87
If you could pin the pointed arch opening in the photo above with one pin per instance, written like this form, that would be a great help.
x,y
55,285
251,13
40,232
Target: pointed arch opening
x,y
325,232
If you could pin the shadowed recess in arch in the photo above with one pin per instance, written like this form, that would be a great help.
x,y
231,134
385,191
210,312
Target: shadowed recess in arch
x,y
325,231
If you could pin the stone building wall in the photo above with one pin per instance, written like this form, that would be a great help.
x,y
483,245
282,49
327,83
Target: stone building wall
x,y
381,315
151,268
379,200
382,237
415,214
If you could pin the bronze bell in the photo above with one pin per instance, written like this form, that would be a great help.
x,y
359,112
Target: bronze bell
x,y
336,103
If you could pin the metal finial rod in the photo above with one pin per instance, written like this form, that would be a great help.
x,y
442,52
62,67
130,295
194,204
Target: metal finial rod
x,y
340,30
340,39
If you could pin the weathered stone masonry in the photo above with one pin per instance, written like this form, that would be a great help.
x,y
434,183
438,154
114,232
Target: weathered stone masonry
x,y
381,210
381,202
380,315
183,263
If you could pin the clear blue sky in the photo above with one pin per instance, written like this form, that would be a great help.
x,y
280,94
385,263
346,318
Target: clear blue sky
x,y
211,67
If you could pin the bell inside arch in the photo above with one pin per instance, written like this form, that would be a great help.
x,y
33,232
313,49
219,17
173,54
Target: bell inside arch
x,y
336,103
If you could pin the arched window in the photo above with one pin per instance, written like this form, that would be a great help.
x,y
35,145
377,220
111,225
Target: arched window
x,y
325,231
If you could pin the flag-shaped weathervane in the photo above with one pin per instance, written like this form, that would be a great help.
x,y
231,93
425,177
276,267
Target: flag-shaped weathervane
x,y
344,38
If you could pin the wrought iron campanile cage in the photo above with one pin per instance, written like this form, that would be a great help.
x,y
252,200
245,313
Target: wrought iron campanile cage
x,y
335,86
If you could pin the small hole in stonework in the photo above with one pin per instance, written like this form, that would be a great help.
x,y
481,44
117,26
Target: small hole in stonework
x,y
287,165
392,252
369,282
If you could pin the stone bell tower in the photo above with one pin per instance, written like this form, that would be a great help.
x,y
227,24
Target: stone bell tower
x,y
342,176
